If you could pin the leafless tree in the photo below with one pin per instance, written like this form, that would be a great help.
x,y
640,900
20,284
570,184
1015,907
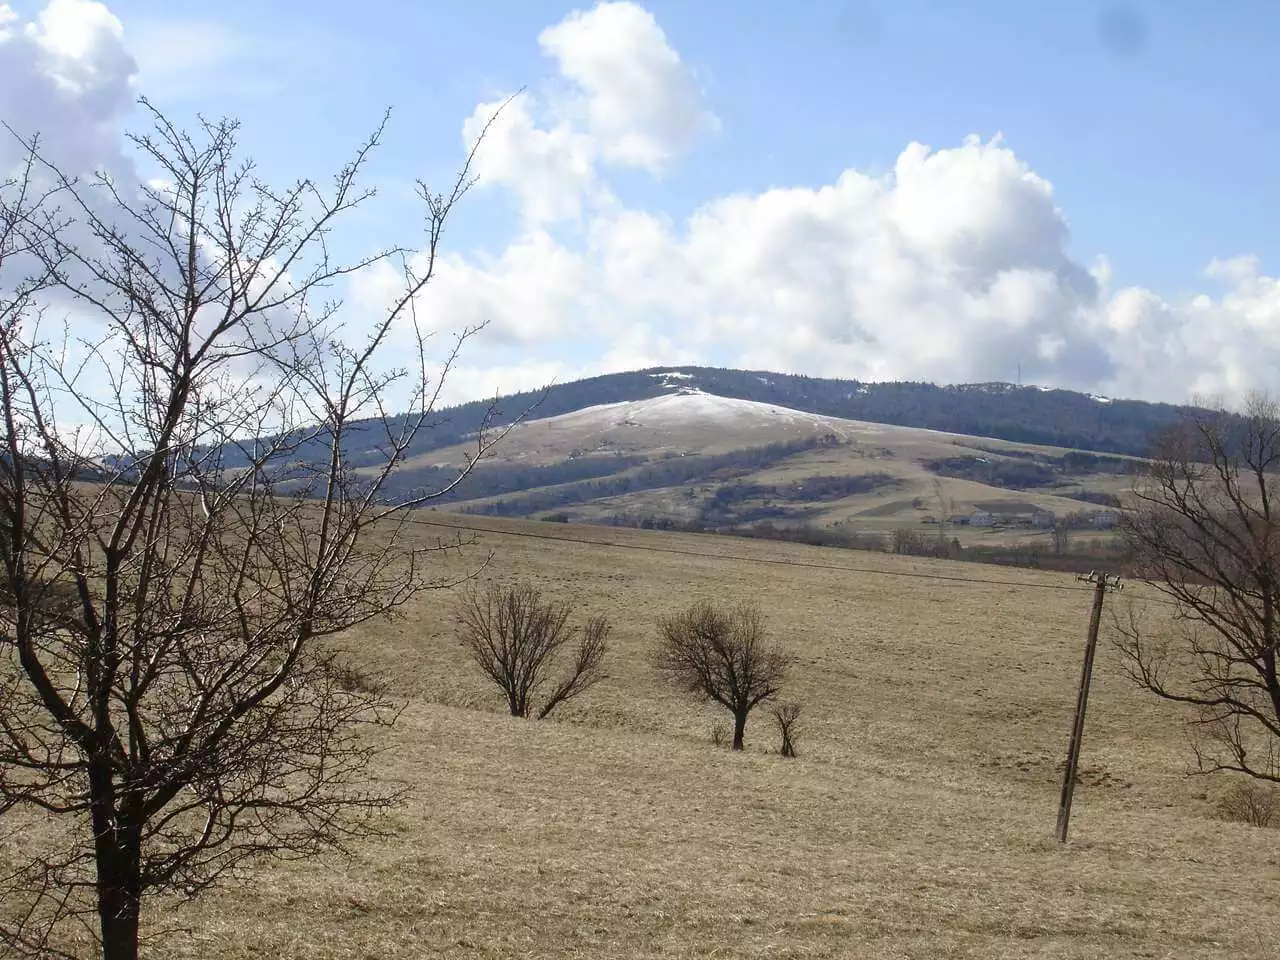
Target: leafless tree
x,y
515,637
786,717
184,524
1206,535
1061,534
723,656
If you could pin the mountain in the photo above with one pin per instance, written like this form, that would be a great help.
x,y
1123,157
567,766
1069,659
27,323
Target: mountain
x,y
1032,415
695,459
707,448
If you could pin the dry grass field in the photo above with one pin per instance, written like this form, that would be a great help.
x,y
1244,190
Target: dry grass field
x,y
917,823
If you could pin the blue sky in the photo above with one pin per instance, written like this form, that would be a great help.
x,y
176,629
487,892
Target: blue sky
x,y
1154,123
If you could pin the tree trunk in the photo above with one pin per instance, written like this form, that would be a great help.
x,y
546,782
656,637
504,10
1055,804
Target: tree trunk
x,y
739,728
117,855
119,928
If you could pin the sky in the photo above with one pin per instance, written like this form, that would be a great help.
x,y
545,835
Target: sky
x,y
1080,194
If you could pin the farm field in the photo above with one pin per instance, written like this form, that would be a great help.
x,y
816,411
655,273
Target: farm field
x,y
917,822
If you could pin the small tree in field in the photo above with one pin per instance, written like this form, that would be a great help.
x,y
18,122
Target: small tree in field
x,y
182,526
786,717
722,655
1206,535
515,637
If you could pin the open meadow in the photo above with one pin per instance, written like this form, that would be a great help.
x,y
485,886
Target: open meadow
x,y
917,822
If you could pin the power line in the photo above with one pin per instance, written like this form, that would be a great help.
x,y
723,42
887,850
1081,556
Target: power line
x,y
649,548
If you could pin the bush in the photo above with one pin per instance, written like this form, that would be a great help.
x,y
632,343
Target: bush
x,y
353,679
1252,802
722,655
515,638
786,717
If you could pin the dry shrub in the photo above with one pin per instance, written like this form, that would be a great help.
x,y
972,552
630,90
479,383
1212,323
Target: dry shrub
x,y
1252,802
722,655
515,636
786,717
353,679
719,735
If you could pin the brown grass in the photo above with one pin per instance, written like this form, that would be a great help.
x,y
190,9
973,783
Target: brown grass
x,y
918,821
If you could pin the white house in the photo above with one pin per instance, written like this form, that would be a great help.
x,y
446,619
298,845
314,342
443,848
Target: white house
x,y
981,518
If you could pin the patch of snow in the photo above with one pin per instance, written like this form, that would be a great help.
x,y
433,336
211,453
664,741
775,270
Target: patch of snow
x,y
690,406
1098,399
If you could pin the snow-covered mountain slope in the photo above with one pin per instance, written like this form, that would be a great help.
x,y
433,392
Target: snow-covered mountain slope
x,y
684,421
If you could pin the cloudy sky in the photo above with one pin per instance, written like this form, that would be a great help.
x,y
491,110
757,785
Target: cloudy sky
x,y
1084,192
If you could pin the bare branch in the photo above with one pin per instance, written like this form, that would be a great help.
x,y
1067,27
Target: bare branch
x,y
722,655
1207,537
171,571
515,636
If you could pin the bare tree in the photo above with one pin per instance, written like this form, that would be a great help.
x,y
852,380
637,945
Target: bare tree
x,y
515,637
1206,535
722,655
1061,534
786,717
185,521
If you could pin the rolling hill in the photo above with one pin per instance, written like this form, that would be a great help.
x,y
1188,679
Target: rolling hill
x,y
1033,415
917,822
680,455
752,451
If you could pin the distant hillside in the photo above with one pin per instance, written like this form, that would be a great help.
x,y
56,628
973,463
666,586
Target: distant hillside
x,y
1060,418
1034,415
662,445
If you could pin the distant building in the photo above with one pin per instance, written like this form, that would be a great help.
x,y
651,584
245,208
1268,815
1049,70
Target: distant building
x,y
928,519
981,518
1043,518
958,518
1105,519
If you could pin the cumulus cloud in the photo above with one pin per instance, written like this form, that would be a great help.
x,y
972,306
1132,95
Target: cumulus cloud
x,y
67,76
954,263
550,170
532,293
641,105
954,266
623,98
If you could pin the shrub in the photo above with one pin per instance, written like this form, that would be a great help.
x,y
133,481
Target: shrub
x,y
1251,801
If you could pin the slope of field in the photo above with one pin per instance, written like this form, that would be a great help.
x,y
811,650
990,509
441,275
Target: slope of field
x,y
916,824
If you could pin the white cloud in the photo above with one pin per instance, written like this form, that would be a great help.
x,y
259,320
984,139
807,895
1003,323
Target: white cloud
x,y
531,294
550,170
182,55
623,98
475,382
191,58
67,76
954,266
640,103
951,266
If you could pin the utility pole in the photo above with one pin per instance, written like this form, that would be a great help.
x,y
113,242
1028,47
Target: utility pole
x,y
1102,582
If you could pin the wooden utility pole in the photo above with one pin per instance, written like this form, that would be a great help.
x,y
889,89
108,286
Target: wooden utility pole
x,y
1101,583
